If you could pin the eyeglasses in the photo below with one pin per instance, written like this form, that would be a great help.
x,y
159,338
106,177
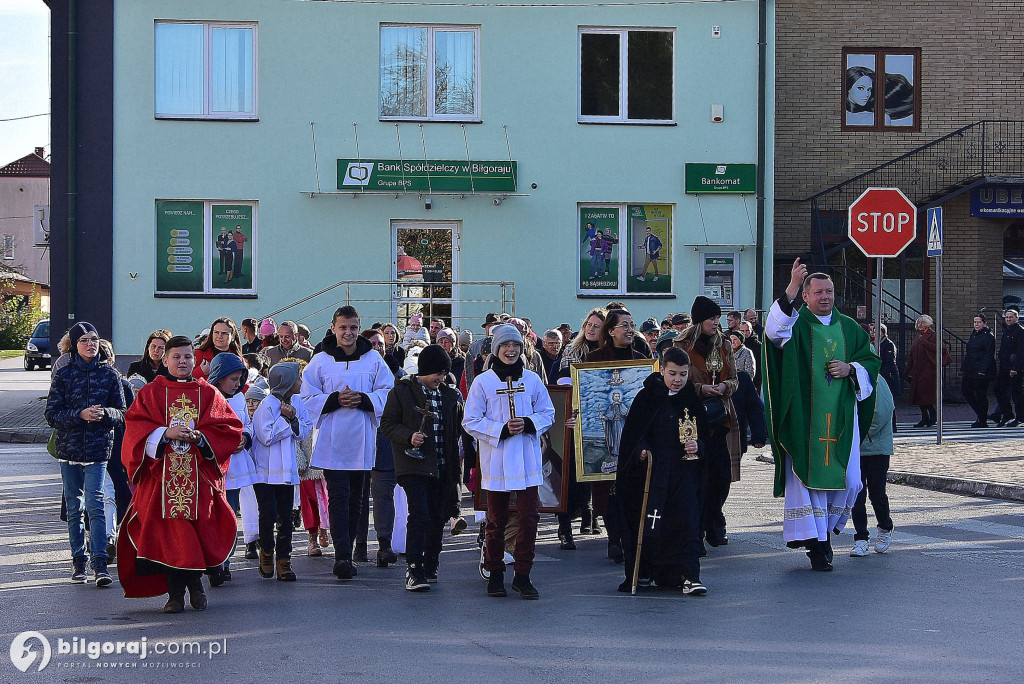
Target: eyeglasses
x,y
88,340
627,326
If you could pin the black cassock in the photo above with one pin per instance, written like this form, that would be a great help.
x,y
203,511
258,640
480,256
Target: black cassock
x,y
673,531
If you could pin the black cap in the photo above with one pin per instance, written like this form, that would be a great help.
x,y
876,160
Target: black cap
x,y
491,319
648,326
433,359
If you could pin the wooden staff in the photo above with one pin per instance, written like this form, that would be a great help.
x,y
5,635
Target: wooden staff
x,y
643,521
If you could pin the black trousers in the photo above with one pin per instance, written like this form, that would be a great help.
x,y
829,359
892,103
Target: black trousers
x,y
719,481
274,502
424,528
1009,394
976,393
344,505
872,474
579,496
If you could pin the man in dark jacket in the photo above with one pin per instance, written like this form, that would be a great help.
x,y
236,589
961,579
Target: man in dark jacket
x,y
1011,365
423,420
85,405
978,369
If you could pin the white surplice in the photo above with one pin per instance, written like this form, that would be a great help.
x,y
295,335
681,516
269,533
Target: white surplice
x,y
814,513
274,446
346,437
241,467
513,463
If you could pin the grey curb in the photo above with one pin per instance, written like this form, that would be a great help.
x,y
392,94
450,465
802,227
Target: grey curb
x,y
954,485
28,436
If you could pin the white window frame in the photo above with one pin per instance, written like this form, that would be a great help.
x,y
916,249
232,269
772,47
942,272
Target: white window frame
x,y
431,84
208,112
623,34
210,288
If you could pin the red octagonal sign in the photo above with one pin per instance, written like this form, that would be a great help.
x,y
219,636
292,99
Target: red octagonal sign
x,y
882,222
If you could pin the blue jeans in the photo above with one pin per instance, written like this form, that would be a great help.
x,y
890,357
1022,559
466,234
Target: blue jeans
x,y
83,490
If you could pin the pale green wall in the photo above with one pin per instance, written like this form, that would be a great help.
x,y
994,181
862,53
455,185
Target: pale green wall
x,y
318,61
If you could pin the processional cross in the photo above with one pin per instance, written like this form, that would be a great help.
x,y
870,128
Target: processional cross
x,y
511,391
828,439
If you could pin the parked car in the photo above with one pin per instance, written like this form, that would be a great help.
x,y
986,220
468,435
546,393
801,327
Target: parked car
x,y
37,349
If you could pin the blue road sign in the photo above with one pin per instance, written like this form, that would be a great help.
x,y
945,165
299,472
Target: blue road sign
x,y
935,232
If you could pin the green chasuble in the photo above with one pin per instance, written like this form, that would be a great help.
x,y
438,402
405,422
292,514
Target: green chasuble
x,y
809,412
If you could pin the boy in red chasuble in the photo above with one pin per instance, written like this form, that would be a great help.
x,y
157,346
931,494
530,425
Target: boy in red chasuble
x,y
179,436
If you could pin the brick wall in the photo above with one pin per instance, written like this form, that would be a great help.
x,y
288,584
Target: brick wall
x,y
972,59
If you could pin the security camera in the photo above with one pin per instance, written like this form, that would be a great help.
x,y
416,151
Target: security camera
x,y
426,203
497,201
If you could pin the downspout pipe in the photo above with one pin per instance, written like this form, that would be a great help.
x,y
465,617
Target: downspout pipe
x,y
762,142
72,146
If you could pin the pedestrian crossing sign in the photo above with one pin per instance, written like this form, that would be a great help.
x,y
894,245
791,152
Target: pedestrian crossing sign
x,y
935,232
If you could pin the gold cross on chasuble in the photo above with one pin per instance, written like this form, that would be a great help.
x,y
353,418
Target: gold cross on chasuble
x,y
511,391
828,439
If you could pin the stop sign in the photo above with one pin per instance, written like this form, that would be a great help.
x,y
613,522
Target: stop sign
x,y
882,222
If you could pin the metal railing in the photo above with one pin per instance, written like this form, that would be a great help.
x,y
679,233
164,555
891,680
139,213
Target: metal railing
x,y
853,289
983,149
397,300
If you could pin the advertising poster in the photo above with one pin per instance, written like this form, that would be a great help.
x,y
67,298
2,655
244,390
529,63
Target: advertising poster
x,y
650,257
231,249
599,248
179,246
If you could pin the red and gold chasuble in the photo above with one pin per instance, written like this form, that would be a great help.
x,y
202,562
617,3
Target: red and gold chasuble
x,y
178,517
180,476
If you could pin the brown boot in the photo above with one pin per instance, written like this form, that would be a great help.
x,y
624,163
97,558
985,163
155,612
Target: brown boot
x,y
284,570
314,547
266,567
325,540
175,593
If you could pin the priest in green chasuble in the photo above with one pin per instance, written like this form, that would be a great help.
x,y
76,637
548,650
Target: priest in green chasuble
x,y
819,393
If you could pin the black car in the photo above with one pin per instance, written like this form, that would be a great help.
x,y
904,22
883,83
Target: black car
x,y
37,350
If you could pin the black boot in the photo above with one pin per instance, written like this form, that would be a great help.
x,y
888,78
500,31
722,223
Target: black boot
x,y
496,584
196,593
430,570
385,554
344,570
251,552
359,552
819,559
586,520
175,592
521,583
415,579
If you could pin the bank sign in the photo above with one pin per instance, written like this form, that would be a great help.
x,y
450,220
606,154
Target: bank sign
x,y
430,175
721,179
998,201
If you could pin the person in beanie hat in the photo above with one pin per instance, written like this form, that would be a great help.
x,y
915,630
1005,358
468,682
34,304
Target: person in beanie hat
x,y
431,475
713,374
85,405
507,410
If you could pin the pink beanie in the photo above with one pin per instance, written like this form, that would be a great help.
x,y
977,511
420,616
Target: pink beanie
x,y
417,318
268,327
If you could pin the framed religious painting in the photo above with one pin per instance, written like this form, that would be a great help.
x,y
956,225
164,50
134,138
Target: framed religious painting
x,y
602,392
554,446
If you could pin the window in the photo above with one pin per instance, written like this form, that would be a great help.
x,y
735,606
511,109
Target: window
x,y
896,105
206,247
625,249
429,73
205,70
8,247
626,75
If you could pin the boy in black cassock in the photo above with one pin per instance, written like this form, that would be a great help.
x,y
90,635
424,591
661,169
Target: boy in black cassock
x,y
672,541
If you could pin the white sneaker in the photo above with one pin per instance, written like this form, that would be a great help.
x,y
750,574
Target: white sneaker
x,y
640,277
860,549
654,278
883,540
694,588
508,559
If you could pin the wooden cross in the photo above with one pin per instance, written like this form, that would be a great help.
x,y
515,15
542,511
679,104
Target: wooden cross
x,y
511,391
828,439
654,518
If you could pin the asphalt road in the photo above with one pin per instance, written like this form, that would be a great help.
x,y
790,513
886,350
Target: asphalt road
x,y
19,386
944,605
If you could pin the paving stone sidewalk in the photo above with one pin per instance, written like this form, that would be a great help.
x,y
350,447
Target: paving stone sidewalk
x,y
25,424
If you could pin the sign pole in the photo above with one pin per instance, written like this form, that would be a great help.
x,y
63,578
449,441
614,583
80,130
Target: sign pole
x,y
878,308
934,220
938,349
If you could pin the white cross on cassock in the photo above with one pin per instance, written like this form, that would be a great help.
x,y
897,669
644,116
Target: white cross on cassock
x,y
654,518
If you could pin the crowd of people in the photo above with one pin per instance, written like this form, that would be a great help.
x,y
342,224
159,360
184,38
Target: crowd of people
x,y
261,423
